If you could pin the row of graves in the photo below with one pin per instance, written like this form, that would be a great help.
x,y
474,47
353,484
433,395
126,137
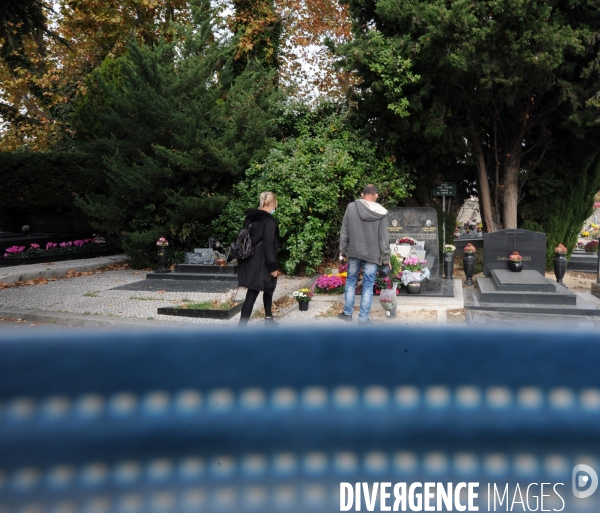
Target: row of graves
x,y
525,292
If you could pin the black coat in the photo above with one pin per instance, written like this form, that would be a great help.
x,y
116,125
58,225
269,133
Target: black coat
x,y
254,273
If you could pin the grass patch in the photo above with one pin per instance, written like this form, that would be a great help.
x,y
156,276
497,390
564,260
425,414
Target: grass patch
x,y
91,294
142,298
209,305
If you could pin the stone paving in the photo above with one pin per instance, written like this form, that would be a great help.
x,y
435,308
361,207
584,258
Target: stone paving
x,y
93,299
95,296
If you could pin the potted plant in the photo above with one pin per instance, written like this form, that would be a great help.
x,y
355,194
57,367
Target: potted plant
x,y
592,247
414,272
560,262
469,262
163,255
449,250
303,296
515,262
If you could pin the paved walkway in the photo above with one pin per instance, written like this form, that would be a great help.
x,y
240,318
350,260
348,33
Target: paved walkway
x,y
84,293
92,300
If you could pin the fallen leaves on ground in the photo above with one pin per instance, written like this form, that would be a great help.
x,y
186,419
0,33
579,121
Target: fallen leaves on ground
x,y
10,319
335,309
283,303
71,273
34,281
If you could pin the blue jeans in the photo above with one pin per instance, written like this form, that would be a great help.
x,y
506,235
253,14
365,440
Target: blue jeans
x,y
369,272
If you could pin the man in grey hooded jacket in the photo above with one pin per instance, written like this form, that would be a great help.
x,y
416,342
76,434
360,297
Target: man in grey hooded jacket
x,y
365,240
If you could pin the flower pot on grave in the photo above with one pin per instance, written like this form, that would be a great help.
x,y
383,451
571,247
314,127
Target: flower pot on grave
x,y
303,305
163,257
448,265
560,266
515,267
414,287
469,267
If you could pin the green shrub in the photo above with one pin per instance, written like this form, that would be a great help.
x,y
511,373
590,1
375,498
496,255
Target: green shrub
x,y
314,175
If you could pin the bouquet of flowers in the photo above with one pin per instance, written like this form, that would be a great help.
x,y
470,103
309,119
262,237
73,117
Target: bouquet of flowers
x,y
469,248
303,295
407,240
449,248
515,257
585,234
560,250
591,247
162,242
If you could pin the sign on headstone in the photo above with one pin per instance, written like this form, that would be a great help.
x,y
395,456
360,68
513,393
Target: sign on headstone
x,y
497,247
420,223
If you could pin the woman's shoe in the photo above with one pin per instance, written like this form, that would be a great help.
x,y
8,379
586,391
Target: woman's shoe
x,y
270,322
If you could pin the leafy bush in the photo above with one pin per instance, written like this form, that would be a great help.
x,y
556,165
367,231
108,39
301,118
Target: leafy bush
x,y
315,174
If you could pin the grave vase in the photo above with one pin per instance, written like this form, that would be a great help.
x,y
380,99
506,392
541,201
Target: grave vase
x,y
560,266
303,306
469,266
448,265
515,267
414,287
162,257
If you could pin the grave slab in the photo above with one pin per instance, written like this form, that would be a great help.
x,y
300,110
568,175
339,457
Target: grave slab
x,y
583,262
497,247
525,281
212,286
488,293
581,307
187,276
206,269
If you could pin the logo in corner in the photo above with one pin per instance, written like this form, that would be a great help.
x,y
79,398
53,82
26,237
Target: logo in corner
x,y
582,475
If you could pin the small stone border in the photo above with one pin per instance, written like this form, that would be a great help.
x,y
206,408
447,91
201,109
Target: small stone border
x,y
205,314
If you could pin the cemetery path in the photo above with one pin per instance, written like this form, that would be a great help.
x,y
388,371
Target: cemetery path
x,y
92,299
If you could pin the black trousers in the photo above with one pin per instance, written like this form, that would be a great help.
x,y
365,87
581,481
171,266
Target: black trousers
x,y
251,296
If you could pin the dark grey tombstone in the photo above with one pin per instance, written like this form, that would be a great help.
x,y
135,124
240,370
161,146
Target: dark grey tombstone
x,y
497,247
420,223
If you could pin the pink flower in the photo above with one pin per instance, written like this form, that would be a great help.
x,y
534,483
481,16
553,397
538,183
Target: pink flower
x,y
63,244
328,282
35,246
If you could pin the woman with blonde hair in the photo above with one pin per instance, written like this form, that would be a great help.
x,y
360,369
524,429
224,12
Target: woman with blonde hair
x,y
259,272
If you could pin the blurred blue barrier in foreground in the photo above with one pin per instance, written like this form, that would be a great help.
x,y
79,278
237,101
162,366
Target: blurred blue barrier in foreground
x,y
273,421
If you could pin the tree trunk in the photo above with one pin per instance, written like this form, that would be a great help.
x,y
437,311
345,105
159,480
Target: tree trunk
x,y
510,195
483,186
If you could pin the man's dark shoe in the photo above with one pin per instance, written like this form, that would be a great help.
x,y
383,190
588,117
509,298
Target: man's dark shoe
x,y
270,322
344,317
365,323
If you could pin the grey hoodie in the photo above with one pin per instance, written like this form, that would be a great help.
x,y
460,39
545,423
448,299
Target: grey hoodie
x,y
364,232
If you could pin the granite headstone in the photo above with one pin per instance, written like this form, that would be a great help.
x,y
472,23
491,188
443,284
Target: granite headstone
x,y
497,247
420,223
